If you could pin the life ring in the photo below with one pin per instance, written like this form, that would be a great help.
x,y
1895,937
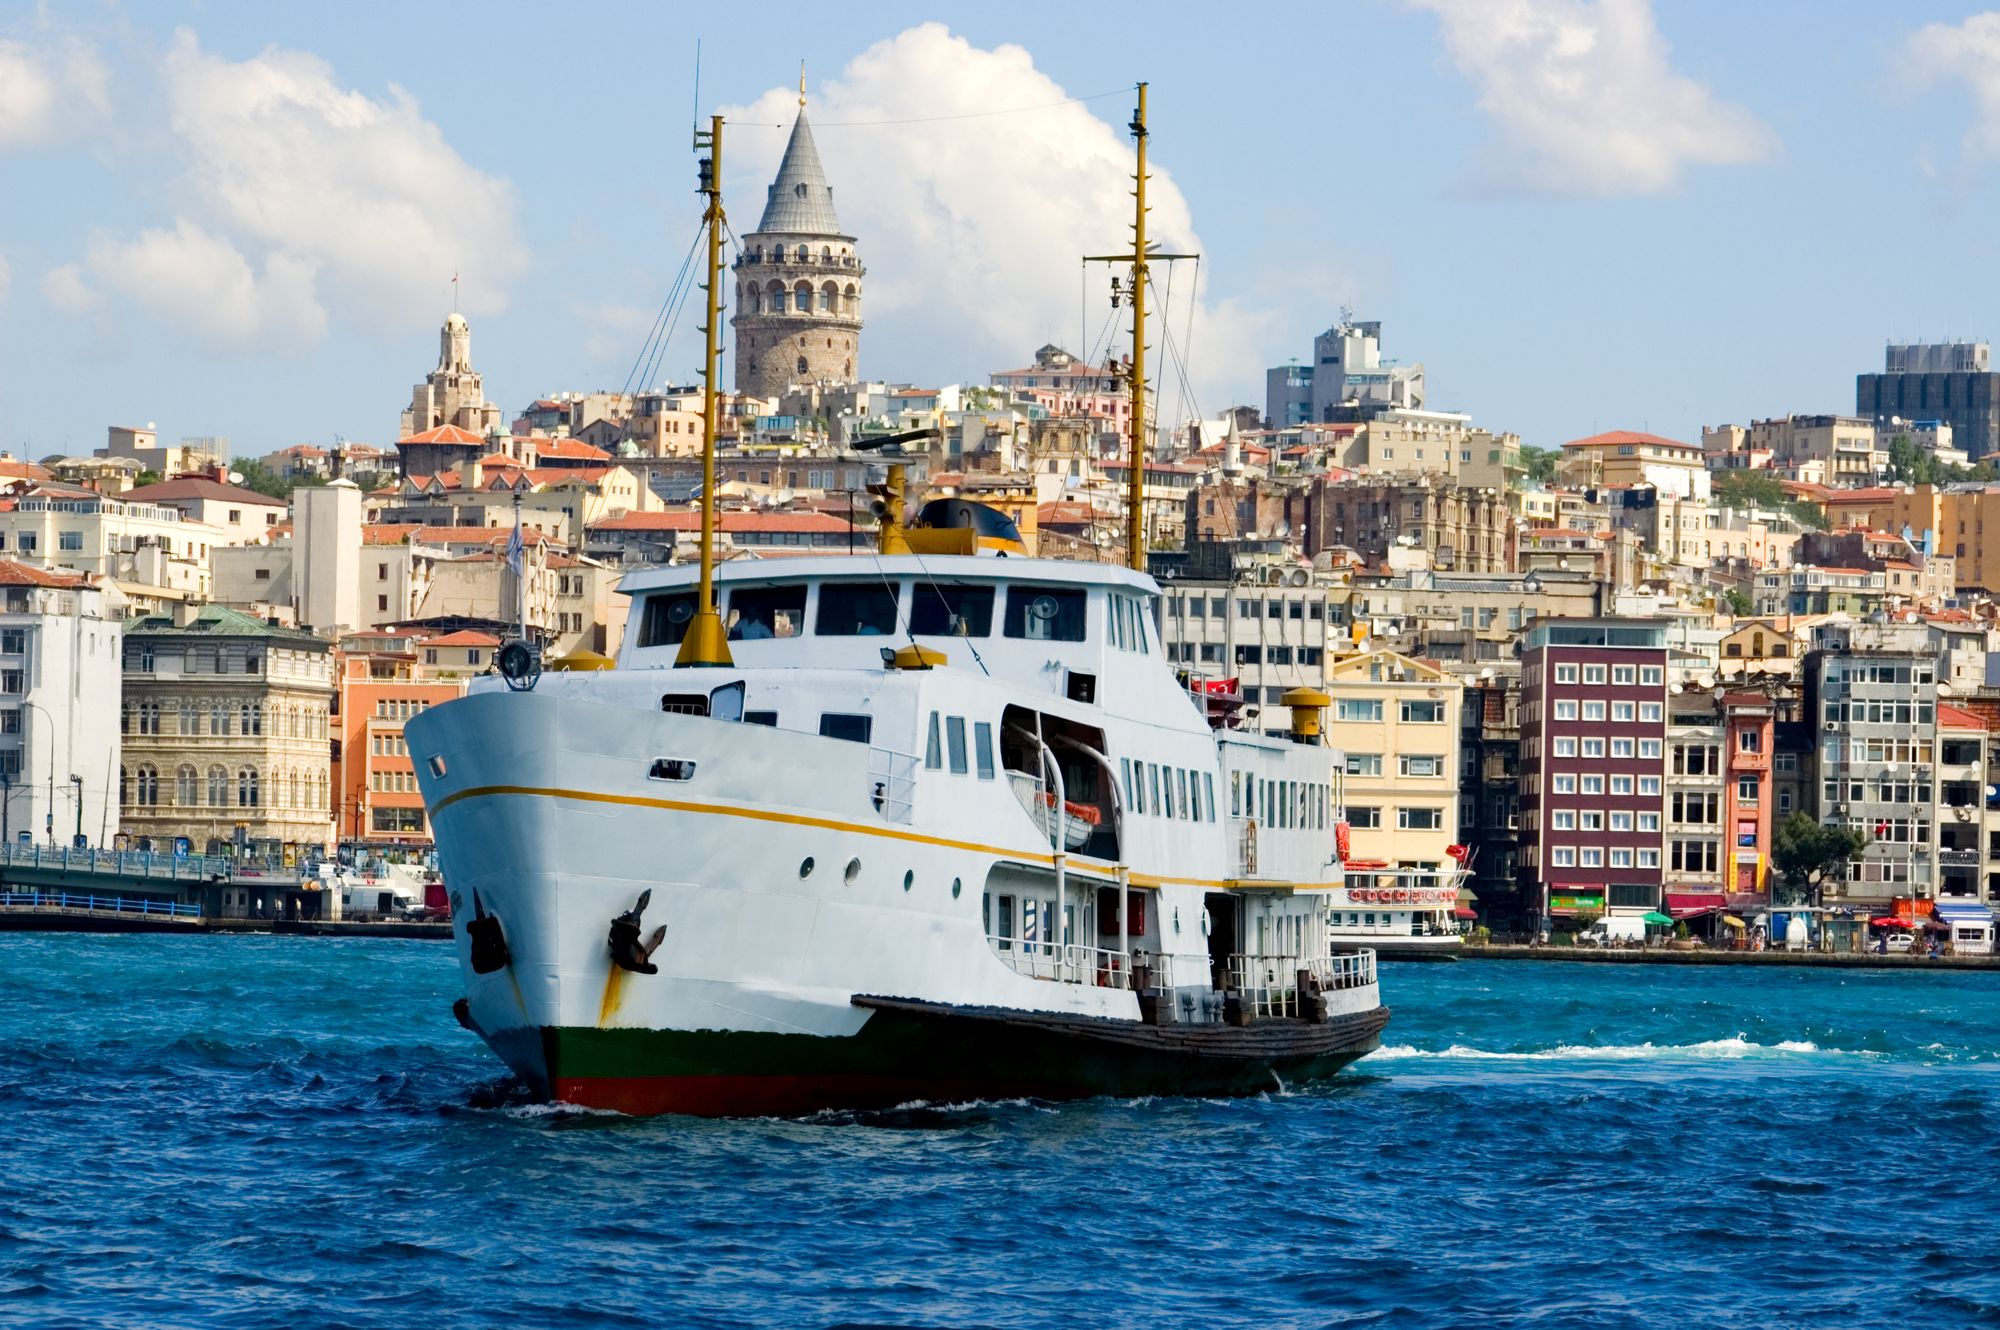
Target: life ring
x,y
1402,896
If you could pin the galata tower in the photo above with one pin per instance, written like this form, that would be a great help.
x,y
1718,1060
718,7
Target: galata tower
x,y
798,282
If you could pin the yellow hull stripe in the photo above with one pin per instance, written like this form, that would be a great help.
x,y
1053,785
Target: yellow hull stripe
x,y
1134,878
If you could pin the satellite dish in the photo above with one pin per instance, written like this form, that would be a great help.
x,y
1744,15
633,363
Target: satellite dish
x,y
1706,680
236,477
1675,689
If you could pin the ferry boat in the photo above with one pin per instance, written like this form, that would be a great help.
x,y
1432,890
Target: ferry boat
x,y
1399,909
935,823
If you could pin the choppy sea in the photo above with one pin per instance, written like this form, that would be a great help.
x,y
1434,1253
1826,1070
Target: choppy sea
x,y
293,1132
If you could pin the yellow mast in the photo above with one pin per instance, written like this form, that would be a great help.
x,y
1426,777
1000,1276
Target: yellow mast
x,y
706,643
1135,497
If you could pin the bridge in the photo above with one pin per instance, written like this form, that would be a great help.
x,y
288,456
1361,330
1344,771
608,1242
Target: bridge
x,y
141,873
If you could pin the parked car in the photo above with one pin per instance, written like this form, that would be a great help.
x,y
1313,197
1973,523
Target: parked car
x,y
1898,942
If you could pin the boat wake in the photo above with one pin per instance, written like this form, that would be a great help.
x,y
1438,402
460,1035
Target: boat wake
x,y
1735,1046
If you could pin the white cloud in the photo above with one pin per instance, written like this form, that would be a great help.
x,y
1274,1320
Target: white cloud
x,y
972,229
296,196
1970,54
194,280
49,93
1585,99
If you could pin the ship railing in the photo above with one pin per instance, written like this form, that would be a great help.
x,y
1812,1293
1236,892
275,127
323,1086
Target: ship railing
x,y
1268,984
1065,963
892,783
63,900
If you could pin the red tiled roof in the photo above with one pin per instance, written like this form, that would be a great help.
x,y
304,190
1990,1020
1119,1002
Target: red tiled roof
x,y
1958,718
1622,436
1062,514
464,637
389,533
14,573
1874,494
474,535
442,434
574,449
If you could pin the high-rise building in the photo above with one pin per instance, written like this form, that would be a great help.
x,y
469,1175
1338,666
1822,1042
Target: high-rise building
x,y
1593,758
1949,381
798,282
1348,380
58,721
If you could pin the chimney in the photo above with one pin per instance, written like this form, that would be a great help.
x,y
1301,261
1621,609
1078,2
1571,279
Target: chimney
x,y
470,473
185,613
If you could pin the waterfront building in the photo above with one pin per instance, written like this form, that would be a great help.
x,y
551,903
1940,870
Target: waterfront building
x,y
798,282
453,394
1872,701
59,740
1593,762
1271,630
1489,805
1395,720
225,733
1949,381
384,679
1695,855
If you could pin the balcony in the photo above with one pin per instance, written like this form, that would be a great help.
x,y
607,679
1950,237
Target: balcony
x,y
1741,761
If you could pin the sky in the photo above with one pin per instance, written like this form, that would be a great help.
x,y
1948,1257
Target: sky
x,y
244,219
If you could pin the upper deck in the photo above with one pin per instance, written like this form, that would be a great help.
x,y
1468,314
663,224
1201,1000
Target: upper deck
x,y
1055,626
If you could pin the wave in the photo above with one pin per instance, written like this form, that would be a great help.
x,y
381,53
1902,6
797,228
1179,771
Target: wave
x,y
1734,1047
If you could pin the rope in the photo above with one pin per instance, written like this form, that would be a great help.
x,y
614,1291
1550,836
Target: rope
x,y
667,311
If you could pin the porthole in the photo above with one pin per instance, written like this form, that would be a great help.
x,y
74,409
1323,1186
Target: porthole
x,y
853,870
806,866
909,879
956,887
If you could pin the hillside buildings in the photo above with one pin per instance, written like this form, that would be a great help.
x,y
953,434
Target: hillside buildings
x,y
1348,380
1949,381
453,394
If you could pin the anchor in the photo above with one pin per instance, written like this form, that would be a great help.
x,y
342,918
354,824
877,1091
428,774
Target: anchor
x,y
489,944
626,949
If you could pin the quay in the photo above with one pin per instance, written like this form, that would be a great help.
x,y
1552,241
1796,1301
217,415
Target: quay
x,y
1668,956
71,912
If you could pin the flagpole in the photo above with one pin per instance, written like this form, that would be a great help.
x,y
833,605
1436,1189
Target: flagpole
x,y
516,556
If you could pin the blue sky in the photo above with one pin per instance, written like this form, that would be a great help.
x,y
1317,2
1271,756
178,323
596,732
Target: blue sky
x,y
243,219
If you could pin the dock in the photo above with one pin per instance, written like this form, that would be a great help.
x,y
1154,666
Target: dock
x,y
87,912
1669,956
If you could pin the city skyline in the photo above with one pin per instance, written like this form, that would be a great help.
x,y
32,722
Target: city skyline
x,y
248,224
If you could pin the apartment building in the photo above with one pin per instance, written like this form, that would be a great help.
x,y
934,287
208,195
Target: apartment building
x,y
1270,635
59,741
384,679
1396,722
225,733
1593,763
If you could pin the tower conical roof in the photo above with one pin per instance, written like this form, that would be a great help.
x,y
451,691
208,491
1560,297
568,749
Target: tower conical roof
x,y
800,201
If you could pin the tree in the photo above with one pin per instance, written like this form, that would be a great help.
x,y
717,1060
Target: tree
x,y
147,478
1761,489
1805,851
1539,463
261,478
1738,601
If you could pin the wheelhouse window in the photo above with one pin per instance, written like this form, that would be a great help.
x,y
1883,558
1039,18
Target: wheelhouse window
x,y
757,612
856,609
846,725
664,621
944,609
1046,613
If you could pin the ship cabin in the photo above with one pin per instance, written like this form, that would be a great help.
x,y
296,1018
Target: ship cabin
x,y
990,693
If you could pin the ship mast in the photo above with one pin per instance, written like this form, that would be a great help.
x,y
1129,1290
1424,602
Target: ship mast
x,y
1139,261
1135,496
705,643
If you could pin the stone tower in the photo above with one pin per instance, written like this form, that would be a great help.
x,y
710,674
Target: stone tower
x,y
453,393
798,282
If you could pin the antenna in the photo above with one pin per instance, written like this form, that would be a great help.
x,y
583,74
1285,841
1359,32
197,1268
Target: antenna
x,y
694,119
802,85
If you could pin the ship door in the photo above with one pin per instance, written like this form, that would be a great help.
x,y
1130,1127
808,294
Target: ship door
x,y
1219,916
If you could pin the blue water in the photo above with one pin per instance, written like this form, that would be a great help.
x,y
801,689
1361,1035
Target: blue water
x,y
293,1132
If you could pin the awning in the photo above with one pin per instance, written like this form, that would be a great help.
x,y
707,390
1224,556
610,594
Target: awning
x,y
1463,913
1965,913
1889,921
1655,917
1693,904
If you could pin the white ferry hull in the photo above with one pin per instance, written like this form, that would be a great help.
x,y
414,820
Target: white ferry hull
x,y
786,896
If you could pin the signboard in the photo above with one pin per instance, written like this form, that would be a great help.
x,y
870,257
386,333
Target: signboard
x,y
183,847
1581,902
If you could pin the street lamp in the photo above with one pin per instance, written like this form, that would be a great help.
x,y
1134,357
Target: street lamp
x,y
77,781
50,814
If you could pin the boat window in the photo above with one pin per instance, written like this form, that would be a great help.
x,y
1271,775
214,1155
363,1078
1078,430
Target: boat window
x,y
1208,783
982,748
664,622
850,609
933,751
761,718
684,704
1003,922
1117,605
1236,794
766,611
1153,779
1138,786
726,702
846,725
954,740
671,768
1181,793
1044,613
1125,779
947,609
